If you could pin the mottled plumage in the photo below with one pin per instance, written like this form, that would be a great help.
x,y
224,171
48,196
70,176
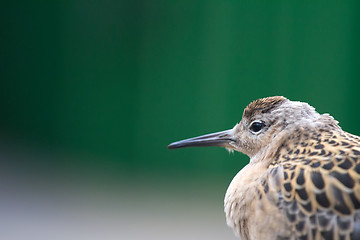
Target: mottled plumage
x,y
303,179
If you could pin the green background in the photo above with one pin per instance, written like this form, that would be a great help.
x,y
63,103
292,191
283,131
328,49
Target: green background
x,y
92,92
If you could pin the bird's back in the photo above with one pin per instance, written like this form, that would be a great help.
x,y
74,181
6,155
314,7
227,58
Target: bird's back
x,y
313,185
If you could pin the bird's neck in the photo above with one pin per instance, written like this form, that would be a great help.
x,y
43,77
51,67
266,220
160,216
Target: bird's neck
x,y
294,133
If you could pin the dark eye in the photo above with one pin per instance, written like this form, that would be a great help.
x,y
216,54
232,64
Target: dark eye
x,y
256,126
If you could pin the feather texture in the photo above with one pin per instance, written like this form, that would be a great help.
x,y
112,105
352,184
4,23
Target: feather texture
x,y
317,176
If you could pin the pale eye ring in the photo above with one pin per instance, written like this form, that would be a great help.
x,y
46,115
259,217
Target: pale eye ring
x,y
257,126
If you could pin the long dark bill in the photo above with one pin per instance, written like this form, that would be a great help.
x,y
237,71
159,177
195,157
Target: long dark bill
x,y
219,139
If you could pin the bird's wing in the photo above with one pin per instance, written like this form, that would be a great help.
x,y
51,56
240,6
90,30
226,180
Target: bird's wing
x,y
316,184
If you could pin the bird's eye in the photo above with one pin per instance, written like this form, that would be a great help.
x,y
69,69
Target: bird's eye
x,y
256,126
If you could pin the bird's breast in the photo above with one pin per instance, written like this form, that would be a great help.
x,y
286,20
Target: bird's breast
x,y
250,215
239,200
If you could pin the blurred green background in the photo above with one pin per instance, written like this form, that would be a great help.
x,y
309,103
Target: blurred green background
x,y
91,93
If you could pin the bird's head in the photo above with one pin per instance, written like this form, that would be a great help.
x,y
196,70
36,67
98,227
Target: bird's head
x,y
262,122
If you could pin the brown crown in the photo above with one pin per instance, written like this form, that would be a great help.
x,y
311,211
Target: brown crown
x,y
263,105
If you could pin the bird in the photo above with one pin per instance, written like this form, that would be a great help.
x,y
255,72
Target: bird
x,y
303,177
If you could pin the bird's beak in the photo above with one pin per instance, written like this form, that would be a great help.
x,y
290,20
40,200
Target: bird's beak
x,y
219,139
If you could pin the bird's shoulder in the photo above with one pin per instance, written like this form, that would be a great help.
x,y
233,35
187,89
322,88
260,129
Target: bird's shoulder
x,y
315,180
